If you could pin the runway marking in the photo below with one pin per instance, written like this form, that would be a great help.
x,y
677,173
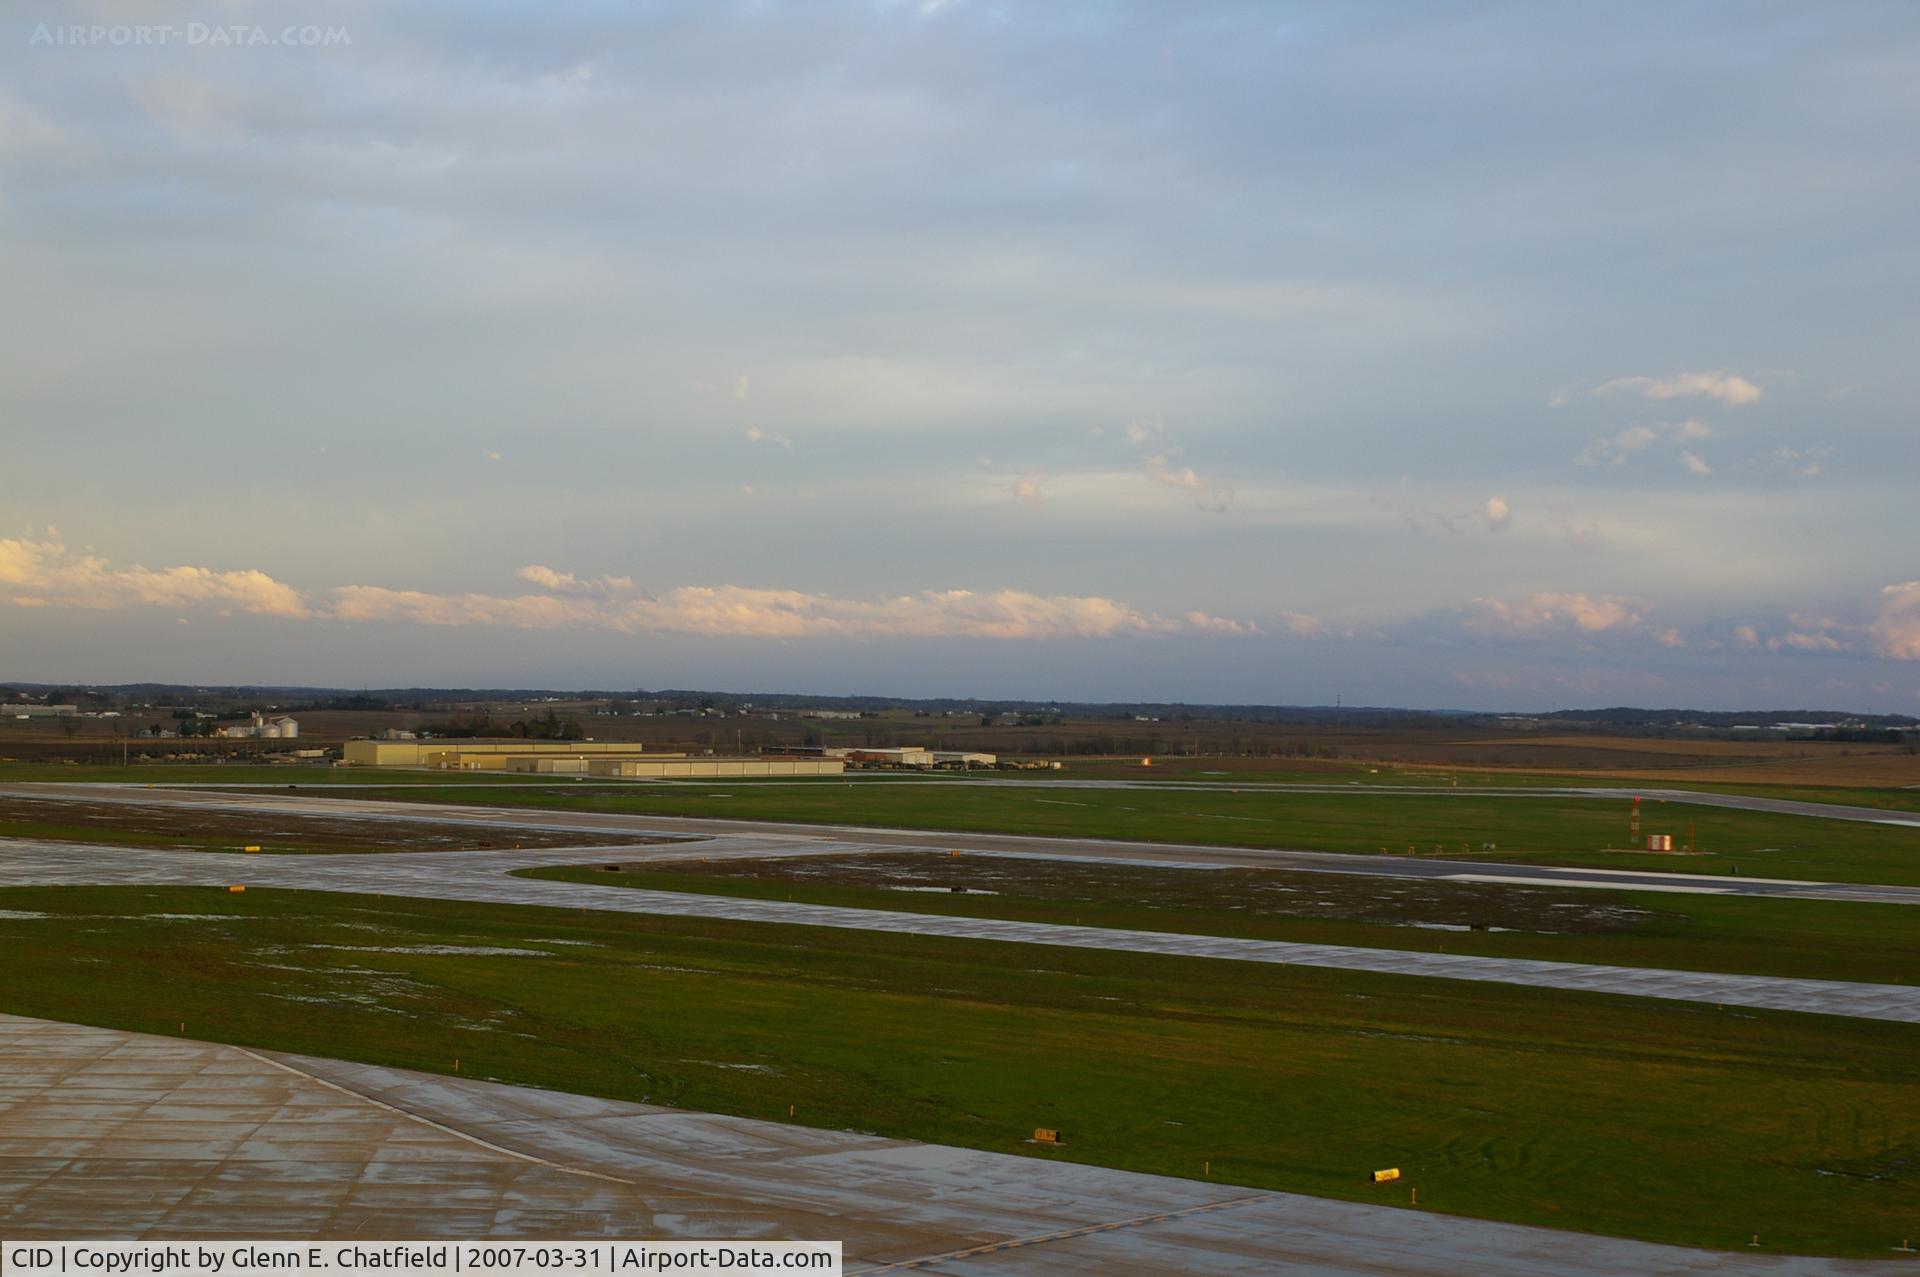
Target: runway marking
x,y
1665,874
1065,1234
427,1121
1675,888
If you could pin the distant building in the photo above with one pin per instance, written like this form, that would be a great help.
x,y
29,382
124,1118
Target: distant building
x,y
964,758
279,727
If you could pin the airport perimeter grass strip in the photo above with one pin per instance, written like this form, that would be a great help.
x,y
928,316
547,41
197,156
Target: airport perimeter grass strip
x,y
1673,1123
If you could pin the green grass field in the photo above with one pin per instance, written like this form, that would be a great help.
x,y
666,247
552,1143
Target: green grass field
x,y
1812,939
1665,1121
1563,831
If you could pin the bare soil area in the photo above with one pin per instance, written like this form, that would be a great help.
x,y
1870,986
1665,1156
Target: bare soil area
x,y
230,831
1263,892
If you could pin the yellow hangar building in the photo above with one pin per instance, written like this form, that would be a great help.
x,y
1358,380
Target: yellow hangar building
x,y
624,760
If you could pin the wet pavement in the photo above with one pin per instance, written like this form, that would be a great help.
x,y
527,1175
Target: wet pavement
x,y
111,1134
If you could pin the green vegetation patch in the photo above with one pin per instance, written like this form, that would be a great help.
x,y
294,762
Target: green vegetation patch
x,y
1814,939
1665,1121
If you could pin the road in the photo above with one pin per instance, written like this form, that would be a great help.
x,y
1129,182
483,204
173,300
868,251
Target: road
x,y
111,1134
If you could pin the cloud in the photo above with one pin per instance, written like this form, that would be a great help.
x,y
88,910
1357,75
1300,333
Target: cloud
x,y
568,583
1694,465
1027,488
1160,459
1896,633
1495,514
1730,388
755,434
1804,632
1794,463
742,387
1160,470
1616,448
490,454
43,573
1550,612
740,611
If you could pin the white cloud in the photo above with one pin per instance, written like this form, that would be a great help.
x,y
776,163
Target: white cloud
x,y
742,387
1027,488
43,573
755,434
1729,388
1498,514
1694,464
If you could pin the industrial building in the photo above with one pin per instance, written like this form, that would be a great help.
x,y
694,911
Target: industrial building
x,y
449,753
621,760
280,727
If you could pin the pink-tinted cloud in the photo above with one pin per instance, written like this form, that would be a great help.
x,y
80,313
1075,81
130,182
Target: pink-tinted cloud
x,y
1546,613
44,573
740,611
1896,633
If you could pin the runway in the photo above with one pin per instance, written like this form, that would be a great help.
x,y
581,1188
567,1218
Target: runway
x,y
1695,797
484,876
309,802
111,1134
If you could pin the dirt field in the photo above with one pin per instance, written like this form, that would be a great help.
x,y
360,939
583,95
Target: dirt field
x,y
208,830
1406,902
1098,747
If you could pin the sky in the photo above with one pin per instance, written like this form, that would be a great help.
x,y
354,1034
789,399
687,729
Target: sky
x,y
1478,355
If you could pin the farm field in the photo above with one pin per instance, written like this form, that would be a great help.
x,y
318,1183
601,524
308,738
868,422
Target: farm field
x,y
198,829
244,773
1671,1122
1825,940
1562,831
